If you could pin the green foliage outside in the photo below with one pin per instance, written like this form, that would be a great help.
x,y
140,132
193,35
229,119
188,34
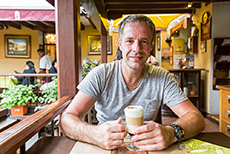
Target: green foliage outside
x,y
50,94
86,68
17,95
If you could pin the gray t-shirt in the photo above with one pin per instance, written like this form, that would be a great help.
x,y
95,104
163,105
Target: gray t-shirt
x,y
106,85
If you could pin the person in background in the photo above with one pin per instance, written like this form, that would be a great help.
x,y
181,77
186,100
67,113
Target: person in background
x,y
118,54
53,69
29,69
45,63
152,60
131,81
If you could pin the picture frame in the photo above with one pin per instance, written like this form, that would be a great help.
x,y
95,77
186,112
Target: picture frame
x,y
206,26
178,46
17,46
94,45
158,43
203,46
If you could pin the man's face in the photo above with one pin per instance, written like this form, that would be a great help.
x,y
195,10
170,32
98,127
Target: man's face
x,y
136,44
41,54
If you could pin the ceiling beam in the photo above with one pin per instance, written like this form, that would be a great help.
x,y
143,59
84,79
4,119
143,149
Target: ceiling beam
x,y
12,24
50,23
40,24
26,24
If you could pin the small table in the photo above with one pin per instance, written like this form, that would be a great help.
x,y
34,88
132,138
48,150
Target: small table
x,y
62,144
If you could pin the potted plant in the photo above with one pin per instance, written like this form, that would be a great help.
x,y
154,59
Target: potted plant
x,y
17,99
49,92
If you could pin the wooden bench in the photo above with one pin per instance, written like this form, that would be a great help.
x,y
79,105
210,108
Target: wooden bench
x,y
14,137
5,120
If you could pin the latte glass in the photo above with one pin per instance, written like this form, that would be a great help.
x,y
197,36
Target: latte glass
x,y
134,118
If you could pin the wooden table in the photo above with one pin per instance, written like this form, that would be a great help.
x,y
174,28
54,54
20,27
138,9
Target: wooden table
x,y
63,145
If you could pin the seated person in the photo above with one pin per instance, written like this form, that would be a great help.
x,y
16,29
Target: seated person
x,y
29,69
131,81
53,69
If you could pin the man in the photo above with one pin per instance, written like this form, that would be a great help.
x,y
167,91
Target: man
x,y
131,81
45,63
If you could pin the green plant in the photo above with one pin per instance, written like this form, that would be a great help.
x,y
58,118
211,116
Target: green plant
x,y
88,66
17,95
49,94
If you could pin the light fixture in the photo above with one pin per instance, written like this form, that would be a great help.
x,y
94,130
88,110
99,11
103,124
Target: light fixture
x,y
189,5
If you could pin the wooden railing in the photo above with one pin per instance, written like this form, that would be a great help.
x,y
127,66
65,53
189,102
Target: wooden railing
x,y
16,136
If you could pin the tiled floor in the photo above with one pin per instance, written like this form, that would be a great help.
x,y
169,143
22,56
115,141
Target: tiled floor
x,y
210,126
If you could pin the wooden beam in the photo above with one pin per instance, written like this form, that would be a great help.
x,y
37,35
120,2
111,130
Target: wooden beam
x,y
40,24
68,46
103,44
26,24
92,12
12,24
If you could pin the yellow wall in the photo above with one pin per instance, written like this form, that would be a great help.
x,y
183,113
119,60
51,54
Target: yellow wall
x,y
84,44
203,60
8,65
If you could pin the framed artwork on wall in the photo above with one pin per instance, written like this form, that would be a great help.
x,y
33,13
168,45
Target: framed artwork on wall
x,y
17,46
206,26
203,46
94,45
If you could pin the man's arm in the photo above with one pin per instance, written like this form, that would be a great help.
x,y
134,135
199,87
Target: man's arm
x,y
153,136
108,135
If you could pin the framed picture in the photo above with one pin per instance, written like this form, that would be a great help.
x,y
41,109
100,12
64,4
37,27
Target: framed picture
x,y
178,46
17,46
158,43
206,26
94,45
203,46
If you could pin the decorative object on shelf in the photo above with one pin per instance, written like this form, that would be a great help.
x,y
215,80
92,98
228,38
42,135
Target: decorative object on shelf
x,y
94,45
181,62
203,46
206,26
17,46
17,95
192,92
191,62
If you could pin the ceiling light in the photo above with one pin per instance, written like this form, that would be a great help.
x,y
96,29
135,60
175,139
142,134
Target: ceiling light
x,y
190,5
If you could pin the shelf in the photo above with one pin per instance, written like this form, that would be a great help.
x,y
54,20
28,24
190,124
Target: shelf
x,y
221,50
192,96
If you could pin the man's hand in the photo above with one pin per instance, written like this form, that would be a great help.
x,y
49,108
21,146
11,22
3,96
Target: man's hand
x,y
111,134
153,136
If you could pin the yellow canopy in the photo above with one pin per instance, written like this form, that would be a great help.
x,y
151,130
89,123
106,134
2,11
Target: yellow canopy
x,y
160,20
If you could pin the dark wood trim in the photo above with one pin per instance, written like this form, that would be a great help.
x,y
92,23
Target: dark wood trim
x,y
15,136
103,44
68,29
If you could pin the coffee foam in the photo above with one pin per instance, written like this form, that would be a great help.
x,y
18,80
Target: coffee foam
x,y
134,111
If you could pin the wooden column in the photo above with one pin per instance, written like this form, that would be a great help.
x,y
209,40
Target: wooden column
x,y
103,44
68,46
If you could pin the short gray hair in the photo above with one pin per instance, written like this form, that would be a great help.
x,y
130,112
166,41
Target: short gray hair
x,y
136,19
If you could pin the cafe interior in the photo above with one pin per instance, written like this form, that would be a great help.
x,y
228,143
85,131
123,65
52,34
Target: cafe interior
x,y
192,42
